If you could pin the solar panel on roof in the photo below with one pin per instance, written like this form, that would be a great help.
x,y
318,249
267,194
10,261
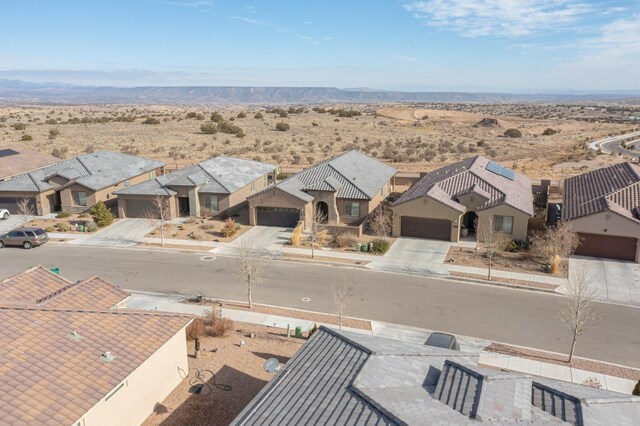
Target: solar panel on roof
x,y
494,167
508,173
7,152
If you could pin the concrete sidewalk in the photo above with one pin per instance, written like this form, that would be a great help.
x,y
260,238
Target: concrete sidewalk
x,y
496,273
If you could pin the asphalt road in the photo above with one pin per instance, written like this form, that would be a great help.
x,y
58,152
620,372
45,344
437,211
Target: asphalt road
x,y
612,144
520,317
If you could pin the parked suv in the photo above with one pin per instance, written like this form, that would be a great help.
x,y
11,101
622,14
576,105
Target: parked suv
x,y
25,237
4,214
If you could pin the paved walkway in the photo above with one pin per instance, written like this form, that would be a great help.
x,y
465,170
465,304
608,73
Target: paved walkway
x,y
614,281
414,256
171,303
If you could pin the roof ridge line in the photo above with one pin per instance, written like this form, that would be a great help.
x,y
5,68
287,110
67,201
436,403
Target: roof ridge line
x,y
347,179
94,311
211,176
83,165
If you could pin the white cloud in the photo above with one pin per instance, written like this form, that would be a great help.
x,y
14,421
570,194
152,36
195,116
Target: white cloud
x,y
511,18
195,4
274,27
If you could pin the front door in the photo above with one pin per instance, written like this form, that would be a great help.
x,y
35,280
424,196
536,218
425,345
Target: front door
x,y
183,206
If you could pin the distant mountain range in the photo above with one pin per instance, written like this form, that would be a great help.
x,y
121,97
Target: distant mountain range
x,y
16,91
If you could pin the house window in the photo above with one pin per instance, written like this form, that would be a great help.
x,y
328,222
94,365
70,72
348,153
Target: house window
x,y
352,209
211,203
503,224
79,198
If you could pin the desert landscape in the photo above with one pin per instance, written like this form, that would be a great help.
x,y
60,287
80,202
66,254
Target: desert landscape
x,y
540,140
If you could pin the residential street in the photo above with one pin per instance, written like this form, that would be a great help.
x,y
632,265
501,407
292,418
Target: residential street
x,y
514,316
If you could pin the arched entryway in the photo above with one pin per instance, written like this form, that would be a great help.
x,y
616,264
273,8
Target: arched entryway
x,y
322,212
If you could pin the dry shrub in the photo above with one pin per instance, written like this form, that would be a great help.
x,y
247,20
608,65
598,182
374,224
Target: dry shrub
x,y
346,240
216,325
198,235
229,229
296,236
208,226
196,329
322,236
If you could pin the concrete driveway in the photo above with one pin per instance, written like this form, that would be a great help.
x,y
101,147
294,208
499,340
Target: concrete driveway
x,y
615,281
414,256
9,224
265,238
122,233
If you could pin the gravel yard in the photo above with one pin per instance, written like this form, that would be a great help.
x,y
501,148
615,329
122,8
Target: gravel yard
x,y
232,365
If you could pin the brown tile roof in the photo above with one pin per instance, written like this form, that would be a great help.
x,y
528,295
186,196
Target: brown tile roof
x,y
17,159
615,188
471,175
38,286
47,376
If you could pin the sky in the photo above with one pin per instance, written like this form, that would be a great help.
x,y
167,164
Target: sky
x,y
430,45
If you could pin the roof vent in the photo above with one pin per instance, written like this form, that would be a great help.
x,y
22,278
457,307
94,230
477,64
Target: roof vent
x,y
73,335
107,357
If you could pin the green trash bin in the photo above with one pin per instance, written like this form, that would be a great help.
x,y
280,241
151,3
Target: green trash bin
x,y
81,228
298,331
55,270
358,247
365,247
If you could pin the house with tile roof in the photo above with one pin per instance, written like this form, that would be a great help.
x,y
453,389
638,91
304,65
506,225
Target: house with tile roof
x,y
347,378
603,207
16,159
71,356
77,184
218,186
342,191
462,199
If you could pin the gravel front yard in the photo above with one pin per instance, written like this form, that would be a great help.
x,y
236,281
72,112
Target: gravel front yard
x,y
239,367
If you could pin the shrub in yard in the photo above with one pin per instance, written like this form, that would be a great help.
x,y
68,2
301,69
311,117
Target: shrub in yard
x,y
379,246
83,215
208,226
216,325
515,246
63,227
91,226
50,229
282,126
197,235
63,215
296,236
102,216
196,329
229,229
346,240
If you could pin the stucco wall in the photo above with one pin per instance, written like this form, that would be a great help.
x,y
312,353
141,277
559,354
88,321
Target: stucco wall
x,y
428,208
173,204
278,198
148,385
608,223
520,220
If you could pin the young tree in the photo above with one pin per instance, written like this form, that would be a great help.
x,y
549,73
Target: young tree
x,y
159,214
555,244
493,242
342,294
25,210
317,233
250,268
380,221
577,312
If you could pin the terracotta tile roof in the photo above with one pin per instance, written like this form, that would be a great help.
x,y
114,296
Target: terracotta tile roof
x,y
615,188
473,175
48,376
16,159
38,286
32,286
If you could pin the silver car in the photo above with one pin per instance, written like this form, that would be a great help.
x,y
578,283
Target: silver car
x,y
25,237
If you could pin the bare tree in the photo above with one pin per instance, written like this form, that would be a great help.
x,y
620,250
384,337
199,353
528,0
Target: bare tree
x,y
380,221
159,214
25,210
317,233
555,244
342,293
577,311
250,268
492,242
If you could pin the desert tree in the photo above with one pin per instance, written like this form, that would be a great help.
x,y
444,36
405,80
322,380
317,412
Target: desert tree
x,y
492,242
577,311
159,214
25,210
317,232
342,294
555,244
250,268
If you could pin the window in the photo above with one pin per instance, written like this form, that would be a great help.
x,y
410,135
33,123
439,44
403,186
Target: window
x,y
211,203
503,224
79,198
352,209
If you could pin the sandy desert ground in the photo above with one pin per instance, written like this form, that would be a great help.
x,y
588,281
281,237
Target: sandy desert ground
x,y
410,138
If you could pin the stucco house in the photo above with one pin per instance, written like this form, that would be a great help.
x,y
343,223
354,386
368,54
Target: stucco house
x,y
214,187
15,159
342,190
77,184
603,207
462,198
71,357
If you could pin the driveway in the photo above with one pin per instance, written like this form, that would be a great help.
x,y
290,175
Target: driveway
x,y
615,281
265,238
9,224
122,233
414,256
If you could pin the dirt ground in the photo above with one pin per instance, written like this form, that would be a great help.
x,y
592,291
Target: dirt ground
x,y
71,221
513,262
241,368
204,229
412,138
333,246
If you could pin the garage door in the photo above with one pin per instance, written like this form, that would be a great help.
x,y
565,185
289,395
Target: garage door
x,y
278,216
607,246
11,204
137,208
420,227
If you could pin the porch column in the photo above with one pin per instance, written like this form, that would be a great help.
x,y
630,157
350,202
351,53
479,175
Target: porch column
x,y
194,202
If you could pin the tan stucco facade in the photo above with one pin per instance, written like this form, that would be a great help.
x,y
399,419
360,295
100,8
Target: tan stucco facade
x,y
608,223
275,197
133,400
